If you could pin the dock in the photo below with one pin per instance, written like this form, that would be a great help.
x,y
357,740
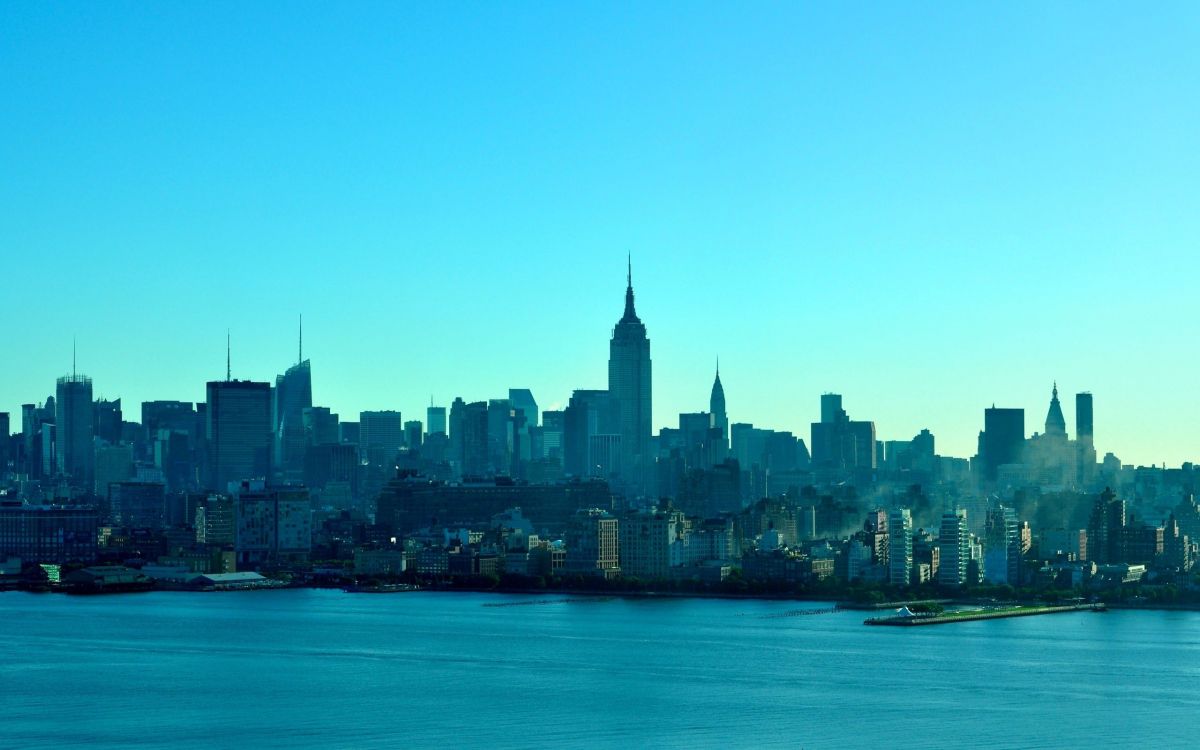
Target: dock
x,y
995,613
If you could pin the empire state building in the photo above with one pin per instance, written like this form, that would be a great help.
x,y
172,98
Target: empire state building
x,y
629,386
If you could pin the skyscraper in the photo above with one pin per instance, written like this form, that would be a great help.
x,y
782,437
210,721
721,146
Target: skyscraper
x,y
954,547
629,385
900,547
74,427
1056,424
435,419
292,395
1002,440
1083,417
716,407
238,428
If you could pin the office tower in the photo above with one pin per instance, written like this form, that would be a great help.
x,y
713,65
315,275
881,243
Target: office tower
x,y
113,463
552,434
74,427
592,434
107,420
292,395
1083,417
716,408
954,547
457,409
1056,424
629,384
380,436
1002,546
500,435
413,432
473,439
522,401
179,416
1106,529
321,426
900,547
435,420
238,431
348,433
839,442
831,408
5,442
1002,440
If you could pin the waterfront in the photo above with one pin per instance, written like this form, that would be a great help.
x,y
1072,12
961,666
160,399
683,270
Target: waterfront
x,y
320,668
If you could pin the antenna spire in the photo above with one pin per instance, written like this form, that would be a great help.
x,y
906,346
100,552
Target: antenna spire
x,y
228,348
73,375
301,338
629,270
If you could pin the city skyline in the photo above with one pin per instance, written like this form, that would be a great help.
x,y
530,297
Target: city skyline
x,y
629,318
820,198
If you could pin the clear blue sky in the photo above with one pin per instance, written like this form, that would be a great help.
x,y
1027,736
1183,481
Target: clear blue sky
x,y
926,207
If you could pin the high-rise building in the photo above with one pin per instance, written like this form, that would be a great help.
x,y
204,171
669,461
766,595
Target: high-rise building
x,y
591,434
1056,424
552,434
1002,546
839,442
5,442
522,401
292,395
74,427
238,431
954,547
320,426
716,408
413,434
106,417
630,387
1083,417
380,436
1003,439
900,547
472,438
435,420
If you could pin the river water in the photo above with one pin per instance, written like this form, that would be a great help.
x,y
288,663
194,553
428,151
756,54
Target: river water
x,y
317,668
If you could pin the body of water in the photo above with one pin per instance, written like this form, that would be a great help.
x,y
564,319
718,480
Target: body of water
x,y
318,668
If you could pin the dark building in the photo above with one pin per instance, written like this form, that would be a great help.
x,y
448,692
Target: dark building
x,y
74,423
840,443
239,432
48,534
138,504
470,438
591,429
1106,527
292,395
107,422
629,383
1083,418
1002,440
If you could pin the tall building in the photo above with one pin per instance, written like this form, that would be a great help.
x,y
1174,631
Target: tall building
x,y
900,547
380,436
954,547
471,438
5,442
435,419
292,395
716,408
106,418
238,431
1056,424
591,427
74,428
1083,417
1002,550
629,385
839,442
320,426
1002,440
413,434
